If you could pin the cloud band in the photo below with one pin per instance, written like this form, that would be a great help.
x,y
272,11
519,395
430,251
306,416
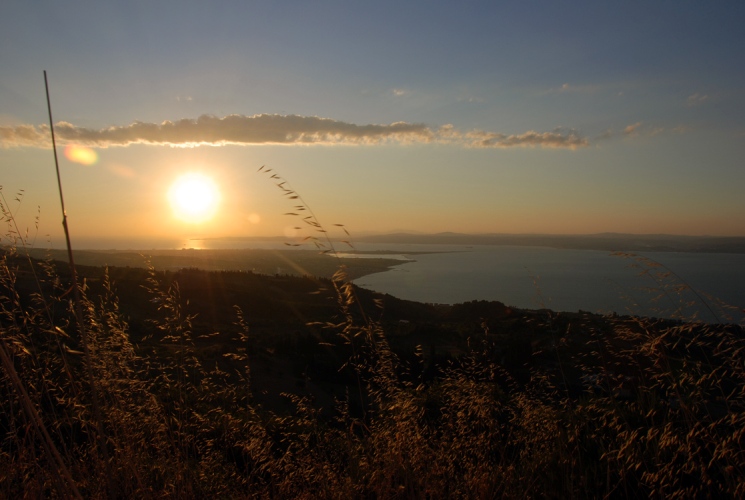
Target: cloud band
x,y
277,129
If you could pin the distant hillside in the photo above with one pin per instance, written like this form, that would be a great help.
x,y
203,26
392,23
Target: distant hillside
x,y
603,241
262,261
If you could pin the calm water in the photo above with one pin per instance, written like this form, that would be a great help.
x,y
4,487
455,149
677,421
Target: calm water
x,y
569,280
537,277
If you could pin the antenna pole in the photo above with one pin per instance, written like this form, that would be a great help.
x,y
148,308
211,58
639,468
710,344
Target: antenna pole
x,y
56,166
76,296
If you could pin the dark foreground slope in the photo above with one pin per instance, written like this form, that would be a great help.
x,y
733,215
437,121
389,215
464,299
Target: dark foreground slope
x,y
236,384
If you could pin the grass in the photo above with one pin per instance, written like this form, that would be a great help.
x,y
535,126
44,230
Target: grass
x,y
572,407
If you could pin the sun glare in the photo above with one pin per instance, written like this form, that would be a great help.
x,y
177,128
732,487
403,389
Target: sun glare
x,y
194,198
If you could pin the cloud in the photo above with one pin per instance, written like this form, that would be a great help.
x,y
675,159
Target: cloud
x,y
633,129
278,129
211,130
24,135
469,98
399,92
557,139
696,99
638,130
568,88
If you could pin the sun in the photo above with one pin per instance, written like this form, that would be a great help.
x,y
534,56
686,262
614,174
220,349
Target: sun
x,y
194,198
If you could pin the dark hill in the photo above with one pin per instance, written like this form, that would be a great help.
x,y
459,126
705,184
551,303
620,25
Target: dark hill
x,y
351,394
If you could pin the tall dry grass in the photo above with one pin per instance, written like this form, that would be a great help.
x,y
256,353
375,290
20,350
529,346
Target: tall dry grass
x,y
612,407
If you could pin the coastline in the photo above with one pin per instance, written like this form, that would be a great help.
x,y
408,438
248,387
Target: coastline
x,y
295,262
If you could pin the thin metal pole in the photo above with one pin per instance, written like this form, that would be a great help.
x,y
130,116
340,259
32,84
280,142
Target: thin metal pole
x,y
76,296
59,179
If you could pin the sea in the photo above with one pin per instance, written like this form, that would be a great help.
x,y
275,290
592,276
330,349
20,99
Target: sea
x,y
692,286
708,287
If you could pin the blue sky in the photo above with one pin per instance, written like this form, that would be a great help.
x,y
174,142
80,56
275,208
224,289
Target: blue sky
x,y
519,117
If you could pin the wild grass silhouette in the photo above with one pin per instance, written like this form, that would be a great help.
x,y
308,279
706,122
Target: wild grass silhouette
x,y
585,407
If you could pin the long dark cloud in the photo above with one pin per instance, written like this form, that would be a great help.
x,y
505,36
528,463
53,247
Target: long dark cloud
x,y
556,139
278,129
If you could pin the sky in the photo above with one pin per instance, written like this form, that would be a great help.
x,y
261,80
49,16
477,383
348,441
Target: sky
x,y
476,117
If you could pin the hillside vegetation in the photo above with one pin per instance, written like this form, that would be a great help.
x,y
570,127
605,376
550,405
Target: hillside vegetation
x,y
195,384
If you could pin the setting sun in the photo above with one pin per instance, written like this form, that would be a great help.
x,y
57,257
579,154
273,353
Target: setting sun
x,y
194,198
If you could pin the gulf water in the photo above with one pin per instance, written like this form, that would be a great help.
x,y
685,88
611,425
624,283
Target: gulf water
x,y
704,286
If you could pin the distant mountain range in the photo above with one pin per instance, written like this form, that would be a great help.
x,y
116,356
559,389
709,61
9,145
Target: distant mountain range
x,y
602,241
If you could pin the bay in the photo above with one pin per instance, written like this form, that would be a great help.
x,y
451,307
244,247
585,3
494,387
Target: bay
x,y
701,286
704,286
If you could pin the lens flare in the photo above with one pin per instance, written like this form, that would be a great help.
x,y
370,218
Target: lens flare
x,y
81,154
